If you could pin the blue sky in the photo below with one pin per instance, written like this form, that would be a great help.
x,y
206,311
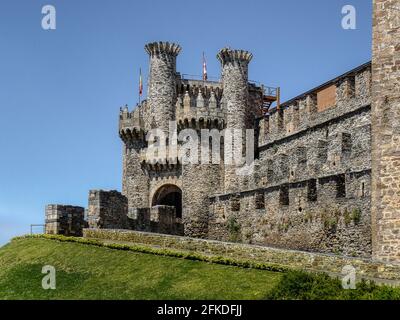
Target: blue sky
x,y
60,90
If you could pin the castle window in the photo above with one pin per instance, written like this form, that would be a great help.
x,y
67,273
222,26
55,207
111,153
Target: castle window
x,y
259,200
266,125
235,204
340,186
283,166
312,190
280,120
296,116
362,190
284,195
351,86
301,156
322,150
270,170
346,144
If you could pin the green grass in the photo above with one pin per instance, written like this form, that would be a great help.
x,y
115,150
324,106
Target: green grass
x,y
92,272
89,269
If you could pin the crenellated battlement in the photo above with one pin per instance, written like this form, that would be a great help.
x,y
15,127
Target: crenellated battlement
x,y
334,98
161,155
160,47
200,105
131,124
227,55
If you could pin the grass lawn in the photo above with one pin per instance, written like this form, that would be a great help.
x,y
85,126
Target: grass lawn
x,y
90,272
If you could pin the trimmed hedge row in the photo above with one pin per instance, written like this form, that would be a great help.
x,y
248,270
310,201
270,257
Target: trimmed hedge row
x,y
162,252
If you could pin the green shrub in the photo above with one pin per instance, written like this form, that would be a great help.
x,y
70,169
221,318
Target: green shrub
x,y
233,228
330,223
347,217
356,215
300,285
308,217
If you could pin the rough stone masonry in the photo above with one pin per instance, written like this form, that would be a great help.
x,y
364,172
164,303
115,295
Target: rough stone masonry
x,y
326,170
386,131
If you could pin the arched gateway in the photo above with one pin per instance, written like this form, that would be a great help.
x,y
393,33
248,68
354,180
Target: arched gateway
x,y
169,195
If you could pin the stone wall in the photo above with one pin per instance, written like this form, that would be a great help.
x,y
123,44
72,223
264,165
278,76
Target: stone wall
x,y
198,182
332,264
311,185
353,89
386,130
290,216
158,219
65,220
108,210
135,181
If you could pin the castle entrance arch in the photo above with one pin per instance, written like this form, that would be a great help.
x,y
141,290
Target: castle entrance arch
x,y
169,195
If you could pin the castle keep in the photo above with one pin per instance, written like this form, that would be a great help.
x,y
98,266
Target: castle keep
x,y
326,170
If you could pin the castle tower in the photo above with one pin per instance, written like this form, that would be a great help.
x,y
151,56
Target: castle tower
x,y
161,91
135,181
236,95
385,211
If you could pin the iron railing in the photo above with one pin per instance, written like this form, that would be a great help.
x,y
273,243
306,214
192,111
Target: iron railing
x,y
198,77
269,91
43,226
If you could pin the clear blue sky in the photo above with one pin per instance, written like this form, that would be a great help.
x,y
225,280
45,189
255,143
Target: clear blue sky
x,y
60,91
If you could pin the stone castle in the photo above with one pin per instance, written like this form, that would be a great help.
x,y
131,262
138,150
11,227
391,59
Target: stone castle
x,y
326,170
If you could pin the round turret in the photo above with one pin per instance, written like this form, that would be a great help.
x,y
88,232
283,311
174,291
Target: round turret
x,y
161,91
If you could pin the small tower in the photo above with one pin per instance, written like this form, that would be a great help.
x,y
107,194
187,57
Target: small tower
x,y
135,180
161,91
385,209
235,95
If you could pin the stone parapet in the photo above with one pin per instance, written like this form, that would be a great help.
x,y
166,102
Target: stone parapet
x,y
349,92
131,125
107,209
158,219
332,264
64,219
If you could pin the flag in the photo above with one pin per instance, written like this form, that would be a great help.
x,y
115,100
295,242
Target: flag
x,y
140,82
204,68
